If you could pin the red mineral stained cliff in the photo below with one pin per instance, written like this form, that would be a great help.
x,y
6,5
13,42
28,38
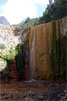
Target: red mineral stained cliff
x,y
13,71
26,70
46,38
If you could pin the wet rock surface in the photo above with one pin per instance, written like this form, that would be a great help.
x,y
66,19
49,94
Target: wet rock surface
x,y
32,91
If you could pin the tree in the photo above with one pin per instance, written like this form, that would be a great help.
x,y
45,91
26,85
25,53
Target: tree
x,y
55,11
27,20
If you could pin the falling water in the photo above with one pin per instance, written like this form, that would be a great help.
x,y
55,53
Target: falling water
x,y
27,70
32,58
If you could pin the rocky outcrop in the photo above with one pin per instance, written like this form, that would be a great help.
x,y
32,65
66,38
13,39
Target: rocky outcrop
x,y
7,36
47,47
10,37
8,41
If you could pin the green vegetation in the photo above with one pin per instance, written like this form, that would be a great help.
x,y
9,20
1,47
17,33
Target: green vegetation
x,y
55,11
2,46
8,55
20,60
58,55
17,53
30,22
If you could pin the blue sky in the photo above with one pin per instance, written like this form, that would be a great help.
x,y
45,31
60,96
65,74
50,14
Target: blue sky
x,y
3,2
41,9
17,10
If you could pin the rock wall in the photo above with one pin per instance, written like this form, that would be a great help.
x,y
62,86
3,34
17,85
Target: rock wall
x,y
49,49
10,37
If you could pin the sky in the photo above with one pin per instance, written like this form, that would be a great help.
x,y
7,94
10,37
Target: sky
x,y
17,10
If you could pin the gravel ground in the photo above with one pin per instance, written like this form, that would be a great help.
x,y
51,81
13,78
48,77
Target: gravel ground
x,y
32,91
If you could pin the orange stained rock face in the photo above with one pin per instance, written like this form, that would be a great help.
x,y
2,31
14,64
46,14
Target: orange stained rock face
x,y
42,59
46,36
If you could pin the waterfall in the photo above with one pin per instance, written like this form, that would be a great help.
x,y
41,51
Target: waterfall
x,y
32,58
27,69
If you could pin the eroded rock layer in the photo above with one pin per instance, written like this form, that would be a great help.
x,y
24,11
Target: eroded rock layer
x,y
49,50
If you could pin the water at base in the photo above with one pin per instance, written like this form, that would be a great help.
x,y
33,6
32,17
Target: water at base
x,y
35,81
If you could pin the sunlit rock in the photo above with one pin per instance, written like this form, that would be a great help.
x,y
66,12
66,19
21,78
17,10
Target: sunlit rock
x,y
3,64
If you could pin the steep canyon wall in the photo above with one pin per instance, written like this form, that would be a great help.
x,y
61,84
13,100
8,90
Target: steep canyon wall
x,y
47,45
46,56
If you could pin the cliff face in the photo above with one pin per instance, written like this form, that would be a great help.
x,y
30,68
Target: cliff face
x,y
47,47
6,35
46,55
10,37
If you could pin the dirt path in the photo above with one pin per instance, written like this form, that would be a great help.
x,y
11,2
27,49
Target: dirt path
x,y
32,91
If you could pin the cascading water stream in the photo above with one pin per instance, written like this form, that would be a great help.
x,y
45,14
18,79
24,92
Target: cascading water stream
x,y
32,58
27,69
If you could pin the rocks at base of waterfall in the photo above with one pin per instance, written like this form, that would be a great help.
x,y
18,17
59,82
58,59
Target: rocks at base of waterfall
x,y
30,93
57,96
41,97
4,93
29,99
33,80
64,95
